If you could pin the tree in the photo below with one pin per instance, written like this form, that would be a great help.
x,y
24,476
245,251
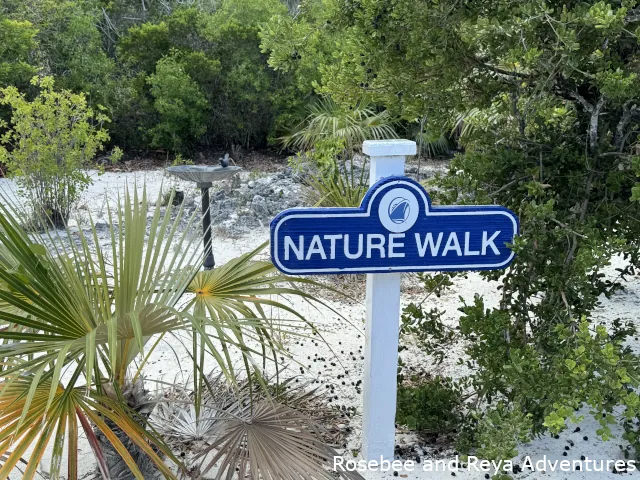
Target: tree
x,y
17,42
182,106
98,312
544,98
48,145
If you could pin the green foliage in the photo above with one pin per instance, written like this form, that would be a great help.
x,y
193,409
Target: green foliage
x,y
501,431
219,52
69,44
544,99
300,44
17,42
82,319
432,405
351,126
182,106
50,141
331,179
427,328
251,95
337,187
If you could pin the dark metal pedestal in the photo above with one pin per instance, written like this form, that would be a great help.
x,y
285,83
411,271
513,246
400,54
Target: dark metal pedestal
x,y
209,263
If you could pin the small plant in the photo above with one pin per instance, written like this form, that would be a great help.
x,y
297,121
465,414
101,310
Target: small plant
x,y
85,319
501,430
49,142
432,405
180,160
240,429
337,188
334,181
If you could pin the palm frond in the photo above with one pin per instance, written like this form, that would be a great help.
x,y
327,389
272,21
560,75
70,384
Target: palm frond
x,y
74,306
232,301
337,187
326,119
239,432
269,440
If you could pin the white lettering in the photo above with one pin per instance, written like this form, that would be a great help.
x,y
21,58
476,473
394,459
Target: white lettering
x,y
393,244
378,246
298,251
489,243
316,247
349,255
467,242
428,242
332,238
452,244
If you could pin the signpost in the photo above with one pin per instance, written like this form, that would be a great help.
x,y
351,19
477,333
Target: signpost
x,y
395,229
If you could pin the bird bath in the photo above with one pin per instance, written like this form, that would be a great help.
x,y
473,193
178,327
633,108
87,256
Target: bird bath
x,y
204,176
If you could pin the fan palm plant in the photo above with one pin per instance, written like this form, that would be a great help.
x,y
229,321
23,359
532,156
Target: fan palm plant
x,y
326,119
76,316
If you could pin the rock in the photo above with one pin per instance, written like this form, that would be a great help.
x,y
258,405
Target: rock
x,y
251,184
189,202
259,206
223,209
219,195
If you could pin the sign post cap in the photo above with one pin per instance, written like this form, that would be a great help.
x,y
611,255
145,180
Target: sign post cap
x,y
388,148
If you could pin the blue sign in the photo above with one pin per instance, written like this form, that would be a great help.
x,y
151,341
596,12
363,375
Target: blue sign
x,y
395,229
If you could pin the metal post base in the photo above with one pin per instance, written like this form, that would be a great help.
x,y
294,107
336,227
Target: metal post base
x,y
209,262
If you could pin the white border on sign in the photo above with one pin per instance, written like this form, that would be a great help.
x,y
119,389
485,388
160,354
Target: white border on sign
x,y
401,268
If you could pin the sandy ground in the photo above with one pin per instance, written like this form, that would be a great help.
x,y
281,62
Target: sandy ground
x,y
341,352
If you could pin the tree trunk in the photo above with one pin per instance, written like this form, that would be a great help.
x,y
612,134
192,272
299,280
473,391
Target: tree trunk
x,y
138,400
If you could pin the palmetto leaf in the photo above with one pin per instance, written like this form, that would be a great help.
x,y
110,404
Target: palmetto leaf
x,y
240,432
337,187
269,440
232,300
54,421
326,119
68,308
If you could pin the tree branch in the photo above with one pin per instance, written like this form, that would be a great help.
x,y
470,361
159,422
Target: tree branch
x,y
593,125
632,16
581,100
628,111
594,110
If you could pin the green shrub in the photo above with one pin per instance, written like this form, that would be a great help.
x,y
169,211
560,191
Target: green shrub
x,y
17,41
520,386
220,53
48,144
182,107
327,120
432,406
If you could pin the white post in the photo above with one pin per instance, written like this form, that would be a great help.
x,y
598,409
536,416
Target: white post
x,y
383,320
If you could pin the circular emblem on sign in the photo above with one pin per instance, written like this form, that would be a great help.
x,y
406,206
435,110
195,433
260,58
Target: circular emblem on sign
x,y
398,210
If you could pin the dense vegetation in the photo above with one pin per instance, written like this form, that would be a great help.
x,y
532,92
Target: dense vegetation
x,y
543,101
169,76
